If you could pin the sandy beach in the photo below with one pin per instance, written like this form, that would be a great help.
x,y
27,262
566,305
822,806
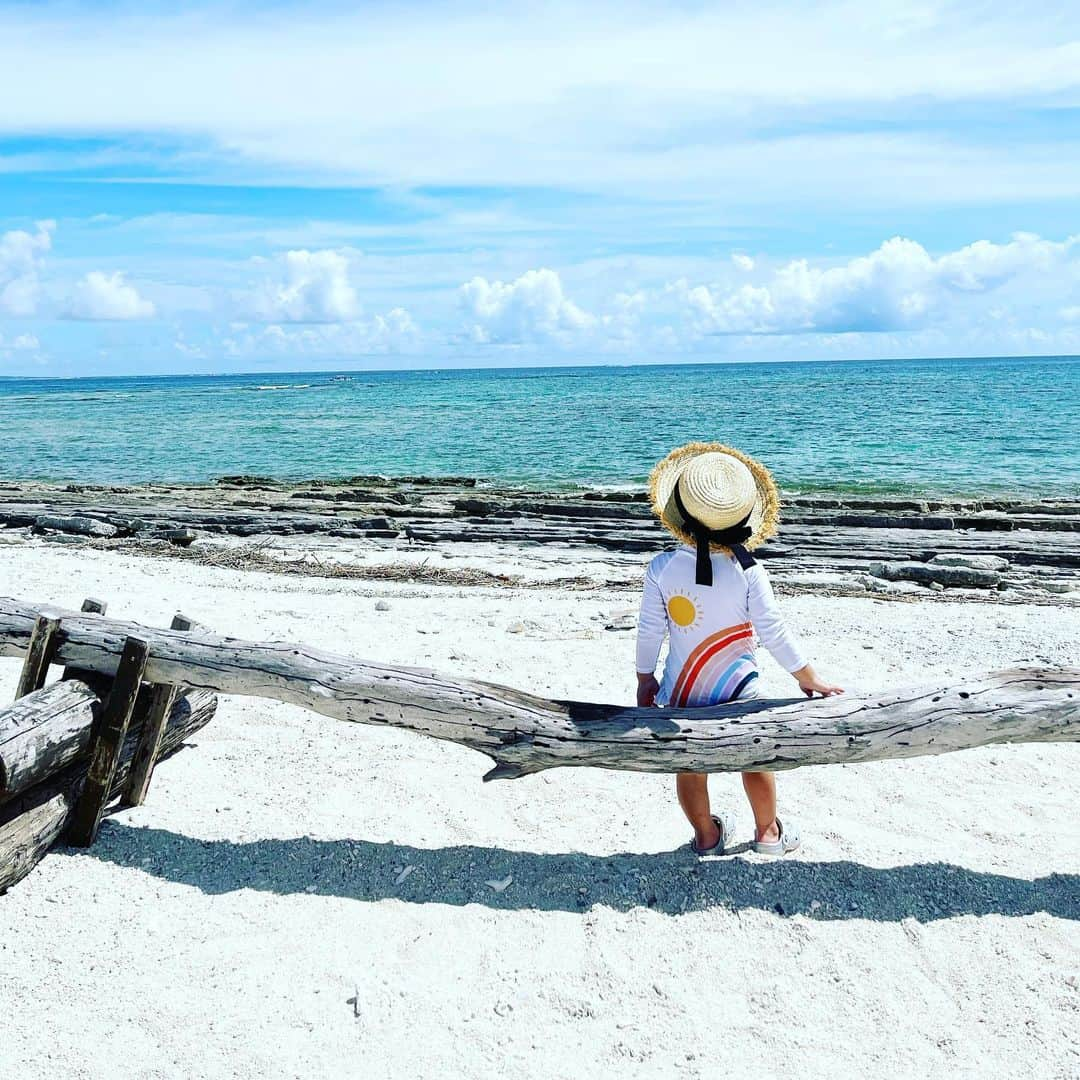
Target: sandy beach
x,y
305,897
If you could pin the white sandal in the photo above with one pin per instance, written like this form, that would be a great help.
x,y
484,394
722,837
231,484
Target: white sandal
x,y
788,840
726,828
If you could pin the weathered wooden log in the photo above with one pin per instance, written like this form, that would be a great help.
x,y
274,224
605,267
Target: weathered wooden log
x,y
34,821
45,732
524,733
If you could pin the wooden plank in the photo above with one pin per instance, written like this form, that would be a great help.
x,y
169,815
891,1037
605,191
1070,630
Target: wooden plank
x,y
44,732
162,699
38,656
109,741
525,733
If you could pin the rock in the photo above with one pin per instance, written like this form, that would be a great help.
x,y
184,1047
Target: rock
x,y
475,507
621,620
903,521
1049,586
516,628
79,526
971,562
925,573
382,605
180,537
937,586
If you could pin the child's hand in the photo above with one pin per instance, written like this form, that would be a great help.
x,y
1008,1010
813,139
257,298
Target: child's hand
x,y
647,689
810,684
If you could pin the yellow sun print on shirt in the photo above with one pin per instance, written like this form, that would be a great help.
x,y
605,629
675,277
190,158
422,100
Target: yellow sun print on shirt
x,y
683,611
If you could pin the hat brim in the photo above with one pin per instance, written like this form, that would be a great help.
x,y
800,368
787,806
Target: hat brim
x,y
764,518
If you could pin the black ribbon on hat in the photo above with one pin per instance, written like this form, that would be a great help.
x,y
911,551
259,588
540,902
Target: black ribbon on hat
x,y
732,537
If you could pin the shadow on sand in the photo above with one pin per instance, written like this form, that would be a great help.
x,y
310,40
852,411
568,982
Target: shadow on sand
x,y
670,882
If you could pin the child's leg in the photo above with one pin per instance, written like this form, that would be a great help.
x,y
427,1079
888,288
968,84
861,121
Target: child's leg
x,y
760,788
693,789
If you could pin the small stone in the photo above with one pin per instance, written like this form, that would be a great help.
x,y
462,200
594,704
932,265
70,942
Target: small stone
x,y
621,620
382,605
936,586
516,628
971,562
180,537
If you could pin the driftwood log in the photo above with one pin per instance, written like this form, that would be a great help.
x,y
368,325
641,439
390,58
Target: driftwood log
x,y
44,732
34,820
524,733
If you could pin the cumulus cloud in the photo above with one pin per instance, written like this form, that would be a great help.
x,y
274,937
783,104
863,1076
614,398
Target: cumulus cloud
x,y
743,262
899,286
534,308
307,286
21,256
107,298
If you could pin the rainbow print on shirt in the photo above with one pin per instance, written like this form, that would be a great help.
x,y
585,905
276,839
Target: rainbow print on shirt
x,y
718,670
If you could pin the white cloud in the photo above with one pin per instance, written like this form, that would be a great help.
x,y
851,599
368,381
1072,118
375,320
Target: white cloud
x,y
392,332
646,92
1071,313
21,257
108,297
743,262
532,308
899,286
307,286
20,343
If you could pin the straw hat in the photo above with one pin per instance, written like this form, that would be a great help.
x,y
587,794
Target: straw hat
x,y
718,485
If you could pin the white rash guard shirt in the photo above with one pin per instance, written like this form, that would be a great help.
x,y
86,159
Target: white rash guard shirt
x,y
711,629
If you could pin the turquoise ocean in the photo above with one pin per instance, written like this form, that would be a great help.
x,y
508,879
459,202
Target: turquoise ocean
x,y
967,427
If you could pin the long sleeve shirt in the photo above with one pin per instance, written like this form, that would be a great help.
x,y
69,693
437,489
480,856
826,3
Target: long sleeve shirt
x,y
711,629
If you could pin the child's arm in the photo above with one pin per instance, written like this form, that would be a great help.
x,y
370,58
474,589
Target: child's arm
x,y
777,638
651,628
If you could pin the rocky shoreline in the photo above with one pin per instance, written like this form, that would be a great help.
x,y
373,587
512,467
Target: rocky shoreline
x,y
1010,549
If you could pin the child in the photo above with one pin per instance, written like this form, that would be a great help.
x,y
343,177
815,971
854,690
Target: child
x,y
709,596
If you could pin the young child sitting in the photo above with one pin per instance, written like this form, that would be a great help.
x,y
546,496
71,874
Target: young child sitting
x,y
710,596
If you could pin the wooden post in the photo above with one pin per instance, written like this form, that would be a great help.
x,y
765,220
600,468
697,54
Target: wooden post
x,y
162,699
105,751
163,695
38,656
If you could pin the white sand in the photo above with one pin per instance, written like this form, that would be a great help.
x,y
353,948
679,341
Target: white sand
x,y
220,930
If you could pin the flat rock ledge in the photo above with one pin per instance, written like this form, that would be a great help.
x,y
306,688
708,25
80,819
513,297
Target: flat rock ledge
x,y
1019,549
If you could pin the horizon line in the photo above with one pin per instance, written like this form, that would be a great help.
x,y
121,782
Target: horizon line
x,y
538,367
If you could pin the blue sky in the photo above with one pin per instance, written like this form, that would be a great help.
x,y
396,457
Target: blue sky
x,y
277,187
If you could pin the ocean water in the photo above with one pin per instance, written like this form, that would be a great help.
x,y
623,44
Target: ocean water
x,y
957,426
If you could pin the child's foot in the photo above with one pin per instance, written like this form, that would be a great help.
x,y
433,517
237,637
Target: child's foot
x,y
713,841
776,840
